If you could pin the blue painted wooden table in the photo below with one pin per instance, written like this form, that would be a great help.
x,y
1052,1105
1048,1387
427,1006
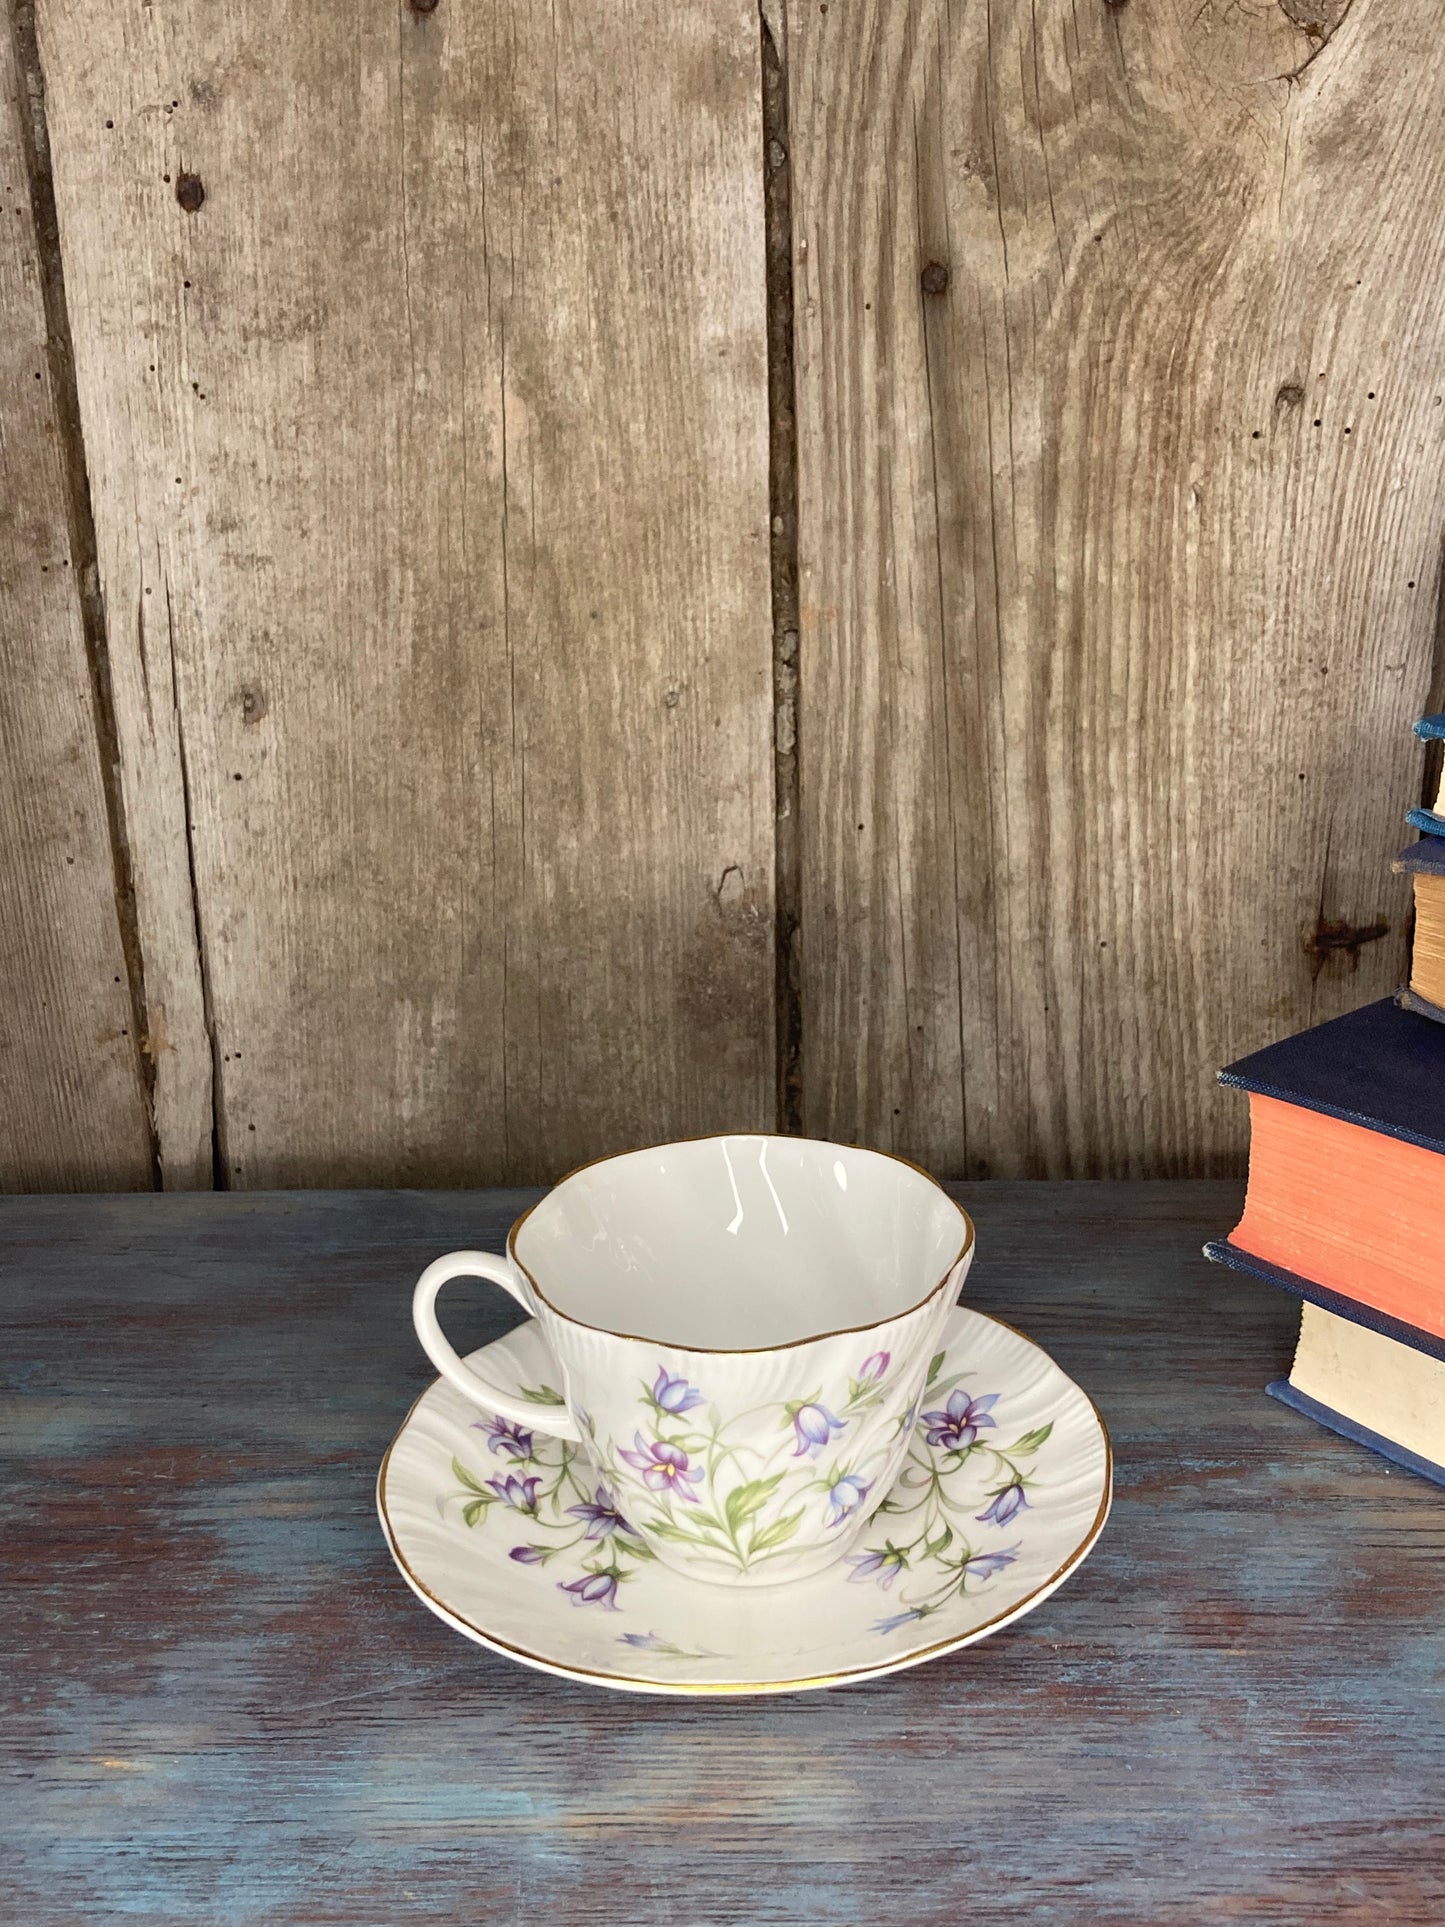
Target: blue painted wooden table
x,y
221,1704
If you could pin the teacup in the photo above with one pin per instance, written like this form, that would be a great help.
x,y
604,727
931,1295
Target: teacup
x,y
742,1328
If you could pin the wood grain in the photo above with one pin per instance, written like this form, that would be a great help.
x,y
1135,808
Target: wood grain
x,y
219,1701
1122,454
422,362
73,1112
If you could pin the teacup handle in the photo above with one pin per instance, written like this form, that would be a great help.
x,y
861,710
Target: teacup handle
x,y
555,1420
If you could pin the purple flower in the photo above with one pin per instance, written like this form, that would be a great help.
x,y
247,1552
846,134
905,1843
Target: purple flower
x,y
664,1467
592,1589
505,1437
984,1565
887,1565
814,1425
601,1515
1003,1506
961,1420
520,1494
528,1555
874,1367
845,1496
899,1619
674,1395
649,1642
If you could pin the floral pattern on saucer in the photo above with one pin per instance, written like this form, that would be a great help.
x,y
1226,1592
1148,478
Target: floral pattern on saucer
x,y
515,1538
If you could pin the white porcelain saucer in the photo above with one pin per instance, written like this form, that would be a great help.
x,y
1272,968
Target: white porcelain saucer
x,y
508,1536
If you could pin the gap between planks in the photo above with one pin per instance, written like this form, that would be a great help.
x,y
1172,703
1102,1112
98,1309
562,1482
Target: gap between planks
x,y
783,555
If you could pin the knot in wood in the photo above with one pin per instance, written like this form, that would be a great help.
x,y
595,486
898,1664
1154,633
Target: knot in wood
x,y
422,6
190,192
935,278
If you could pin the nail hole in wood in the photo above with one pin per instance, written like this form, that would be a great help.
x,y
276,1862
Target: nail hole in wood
x,y
190,192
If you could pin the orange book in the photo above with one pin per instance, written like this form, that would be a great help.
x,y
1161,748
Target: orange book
x,y
1346,1198
1353,1209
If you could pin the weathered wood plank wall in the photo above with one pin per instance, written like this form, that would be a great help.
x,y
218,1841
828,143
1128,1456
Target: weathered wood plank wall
x,y
1122,465
422,365
423,400
72,1099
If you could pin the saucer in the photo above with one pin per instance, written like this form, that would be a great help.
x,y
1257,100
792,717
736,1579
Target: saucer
x,y
507,1535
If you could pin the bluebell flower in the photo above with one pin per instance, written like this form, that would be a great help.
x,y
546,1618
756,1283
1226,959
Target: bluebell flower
x,y
664,1467
892,1624
874,1366
960,1421
601,1515
648,1642
813,1426
520,1494
845,1496
513,1441
675,1395
984,1565
886,1565
592,1589
528,1555
1003,1506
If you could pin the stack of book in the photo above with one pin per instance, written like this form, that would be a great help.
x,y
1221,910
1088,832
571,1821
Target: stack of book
x,y
1346,1199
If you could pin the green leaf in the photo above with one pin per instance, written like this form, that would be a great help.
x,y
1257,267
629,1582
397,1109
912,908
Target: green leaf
x,y
473,1510
778,1532
460,1472
541,1395
936,1366
940,1544
705,1519
663,1529
744,1502
1031,1441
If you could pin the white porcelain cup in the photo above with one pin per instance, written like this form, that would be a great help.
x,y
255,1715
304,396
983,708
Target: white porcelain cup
x,y
741,1326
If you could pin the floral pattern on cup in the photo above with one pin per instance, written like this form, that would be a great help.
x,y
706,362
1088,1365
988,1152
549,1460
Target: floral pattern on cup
x,y
692,1484
926,1547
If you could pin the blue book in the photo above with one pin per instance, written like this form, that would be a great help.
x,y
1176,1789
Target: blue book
x,y
1425,858
1430,729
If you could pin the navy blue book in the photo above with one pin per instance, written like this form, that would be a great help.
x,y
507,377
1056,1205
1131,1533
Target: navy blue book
x,y
1431,821
1345,1208
1424,863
